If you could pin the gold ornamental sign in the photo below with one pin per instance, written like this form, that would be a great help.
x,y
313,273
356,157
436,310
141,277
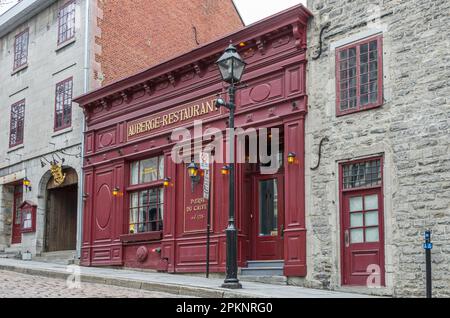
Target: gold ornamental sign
x,y
58,176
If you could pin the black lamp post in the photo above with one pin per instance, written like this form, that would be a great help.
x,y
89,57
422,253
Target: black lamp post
x,y
231,67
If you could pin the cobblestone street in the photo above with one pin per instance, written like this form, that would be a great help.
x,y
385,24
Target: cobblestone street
x,y
15,285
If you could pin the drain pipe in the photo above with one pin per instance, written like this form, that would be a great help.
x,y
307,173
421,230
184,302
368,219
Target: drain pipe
x,y
83,125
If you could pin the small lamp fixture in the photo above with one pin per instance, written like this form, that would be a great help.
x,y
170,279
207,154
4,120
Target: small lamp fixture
x,y
225,171
27,184
166,182
192,170
231,65
292,156
193,173
116,192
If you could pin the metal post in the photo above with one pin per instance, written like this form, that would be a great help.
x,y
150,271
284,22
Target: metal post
x,y
231,281
208,229
428,246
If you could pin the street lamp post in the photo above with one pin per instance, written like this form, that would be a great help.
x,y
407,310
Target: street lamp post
x,y
231,67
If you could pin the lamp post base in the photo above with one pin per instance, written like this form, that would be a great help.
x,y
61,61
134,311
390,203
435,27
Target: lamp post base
x,y
232,285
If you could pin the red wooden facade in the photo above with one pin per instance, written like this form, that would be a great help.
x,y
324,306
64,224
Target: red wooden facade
x,y
275,96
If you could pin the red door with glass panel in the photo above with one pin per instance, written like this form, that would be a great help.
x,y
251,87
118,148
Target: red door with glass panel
x,y
362,224
268,214
16,237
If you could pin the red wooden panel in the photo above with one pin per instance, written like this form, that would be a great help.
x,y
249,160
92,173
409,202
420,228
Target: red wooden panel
x,y
195,253
295,83
267,90
103,205
106,138
295,234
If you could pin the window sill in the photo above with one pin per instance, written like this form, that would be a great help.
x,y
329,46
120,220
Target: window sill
x,y
15,148
65,44
141,237
62,132
365,108
19,69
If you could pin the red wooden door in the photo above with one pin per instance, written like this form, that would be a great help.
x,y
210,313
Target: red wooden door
x,y
363,239
16,237
268,225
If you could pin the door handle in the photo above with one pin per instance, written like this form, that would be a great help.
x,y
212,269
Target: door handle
x,y
347,238
282,231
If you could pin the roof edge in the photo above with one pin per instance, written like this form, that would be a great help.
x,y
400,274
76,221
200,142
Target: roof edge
x,y
291,15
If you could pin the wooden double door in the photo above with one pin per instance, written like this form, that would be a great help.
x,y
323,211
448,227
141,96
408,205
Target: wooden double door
x,y
267,217
61,220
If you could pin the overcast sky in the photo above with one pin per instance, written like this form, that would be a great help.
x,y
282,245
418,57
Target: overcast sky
x,y
251,10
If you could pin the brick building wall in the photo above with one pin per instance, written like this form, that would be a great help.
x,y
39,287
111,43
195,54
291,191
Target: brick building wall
x,y
143,33
411,130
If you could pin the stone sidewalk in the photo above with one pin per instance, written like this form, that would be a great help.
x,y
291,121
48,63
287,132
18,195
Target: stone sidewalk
x,y
174,284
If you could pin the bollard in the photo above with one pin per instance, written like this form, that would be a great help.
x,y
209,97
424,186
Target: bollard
x,y
428,246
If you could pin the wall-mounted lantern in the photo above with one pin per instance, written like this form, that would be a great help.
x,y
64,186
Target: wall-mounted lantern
x,y
27,184
193,172
166,182
292,156
116,192
225,171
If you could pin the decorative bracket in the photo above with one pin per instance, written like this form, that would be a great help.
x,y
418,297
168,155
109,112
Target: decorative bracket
x,y
171,78
260,43
126,95
148,88
299,35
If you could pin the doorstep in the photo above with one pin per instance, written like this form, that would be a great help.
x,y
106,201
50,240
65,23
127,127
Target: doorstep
x,y
175,284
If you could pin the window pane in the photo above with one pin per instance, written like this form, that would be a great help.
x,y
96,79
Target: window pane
x,y
134,200
357,236
343,55
371,218
353,103
356,220
364,100
373,98
268,208
371,202
352,62
372,234
363,174
352,52
134,173
149,170
161,168
374,45
364,68
364,48
356,204
373,66
364,58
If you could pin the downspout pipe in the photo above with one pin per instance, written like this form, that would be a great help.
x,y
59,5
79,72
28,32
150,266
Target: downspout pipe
x,y
86,69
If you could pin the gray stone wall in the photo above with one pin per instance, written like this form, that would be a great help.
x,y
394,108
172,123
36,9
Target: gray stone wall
x,y
6,217
411,130
48,64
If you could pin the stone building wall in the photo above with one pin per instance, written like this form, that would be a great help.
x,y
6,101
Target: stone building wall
x,y
411,130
